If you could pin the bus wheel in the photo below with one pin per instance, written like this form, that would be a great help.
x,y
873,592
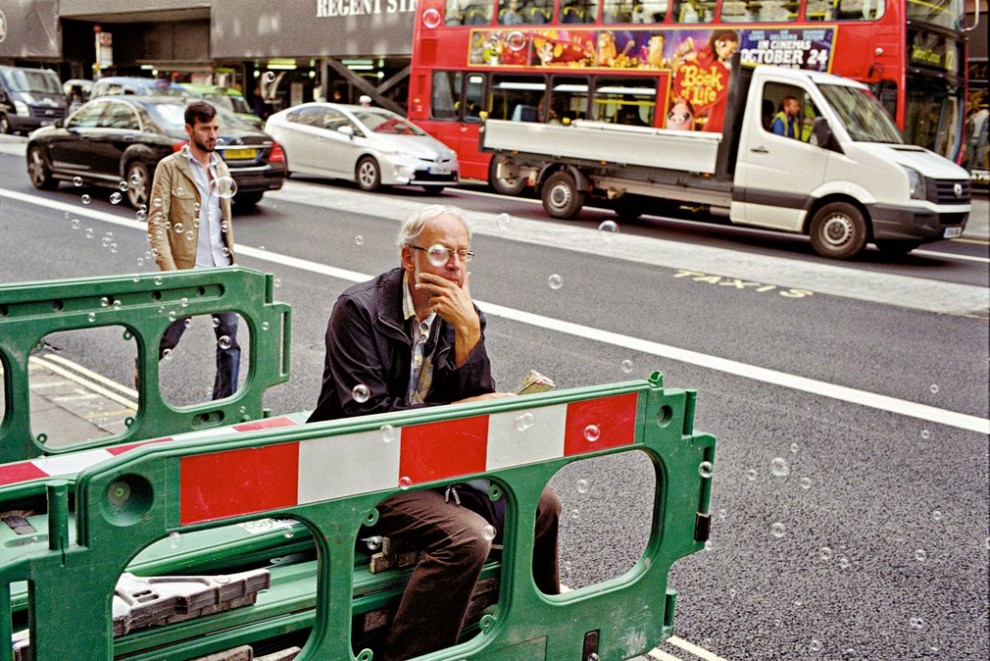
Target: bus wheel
x,y
561,197
897,247
368,176
504,185
838,231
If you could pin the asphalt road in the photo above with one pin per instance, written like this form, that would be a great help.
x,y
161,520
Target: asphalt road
x,y
852,479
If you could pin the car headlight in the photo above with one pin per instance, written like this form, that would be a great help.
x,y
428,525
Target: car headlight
x,y
21,108
916,185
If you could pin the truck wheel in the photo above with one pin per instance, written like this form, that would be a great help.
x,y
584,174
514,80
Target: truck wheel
x,y
897,246
838,231
138,184
368,176
504,185
41,176
561,197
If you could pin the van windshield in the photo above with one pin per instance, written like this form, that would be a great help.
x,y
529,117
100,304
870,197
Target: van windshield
x,y
38,81
863,116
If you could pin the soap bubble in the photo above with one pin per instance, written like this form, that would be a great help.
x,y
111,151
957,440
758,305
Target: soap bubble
x,y
582,486
555,282
431,18
934,389
920,555
75,223
117,305
86,199
502,221
806,483
264,325
115,198
778,530
388,433
167,354
608,229
224,187
751,475
592,433
794,448
278,282
524,421
917,623
516,41
488,533
814,645
135,179
405,482
361,393
373,543
288,532
270,76
91,317
705,469
359,240
575,514
843,562
224,342
142,216
925,434
779,467
122,186
172,316
77,181
825,553
937,515
158,280
174,541
626,366
104,302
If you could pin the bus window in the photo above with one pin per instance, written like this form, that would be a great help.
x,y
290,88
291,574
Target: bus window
x,y
446,97
578,11
817,10
635,11
624,101
468,12
694,11
861,10
944,13
568,99
518,98
511,12
474,97
538,12
751,11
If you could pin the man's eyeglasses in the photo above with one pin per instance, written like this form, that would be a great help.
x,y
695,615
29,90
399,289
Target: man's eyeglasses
x,y
439,255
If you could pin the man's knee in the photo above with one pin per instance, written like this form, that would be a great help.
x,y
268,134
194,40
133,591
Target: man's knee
x,y
472,542
549,506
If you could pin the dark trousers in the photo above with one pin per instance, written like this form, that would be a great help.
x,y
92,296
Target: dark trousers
x,y
431,612
228,351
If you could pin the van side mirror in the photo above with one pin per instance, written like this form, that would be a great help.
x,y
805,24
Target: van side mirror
x,y
821,135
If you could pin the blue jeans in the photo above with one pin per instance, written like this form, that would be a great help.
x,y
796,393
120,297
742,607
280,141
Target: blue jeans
x,y
228,351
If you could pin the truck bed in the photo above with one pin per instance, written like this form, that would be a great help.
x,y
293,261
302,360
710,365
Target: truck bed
x,y
685,151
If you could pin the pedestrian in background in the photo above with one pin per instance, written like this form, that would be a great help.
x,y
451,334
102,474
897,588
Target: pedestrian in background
x,y
365,100
190,227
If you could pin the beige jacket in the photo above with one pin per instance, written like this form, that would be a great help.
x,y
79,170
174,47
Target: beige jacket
x,y
174,197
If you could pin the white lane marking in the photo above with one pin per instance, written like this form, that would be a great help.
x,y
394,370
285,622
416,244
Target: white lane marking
x,y
774,377
948,255
694,649
61,371
658,653
110,383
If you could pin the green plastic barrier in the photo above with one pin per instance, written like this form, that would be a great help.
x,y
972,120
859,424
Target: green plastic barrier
x,y
144,305
329,477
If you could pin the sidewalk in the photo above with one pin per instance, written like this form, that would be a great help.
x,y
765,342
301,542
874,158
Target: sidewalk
x,y
69,406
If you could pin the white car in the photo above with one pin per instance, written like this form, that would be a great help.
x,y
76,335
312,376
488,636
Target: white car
x,y
371,146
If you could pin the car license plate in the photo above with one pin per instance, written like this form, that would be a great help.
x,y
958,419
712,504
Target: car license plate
x,y
239,154
440,168
952,232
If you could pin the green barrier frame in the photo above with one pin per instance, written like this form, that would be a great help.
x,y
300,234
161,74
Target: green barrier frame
x,y
135,499
144,305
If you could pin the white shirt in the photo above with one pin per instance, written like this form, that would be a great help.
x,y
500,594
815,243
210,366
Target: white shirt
x,y
210,247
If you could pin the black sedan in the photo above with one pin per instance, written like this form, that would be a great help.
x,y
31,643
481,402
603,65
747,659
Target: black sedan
x,y
117,141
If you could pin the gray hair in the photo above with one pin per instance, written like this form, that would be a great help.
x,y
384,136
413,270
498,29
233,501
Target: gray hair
x,y
415,224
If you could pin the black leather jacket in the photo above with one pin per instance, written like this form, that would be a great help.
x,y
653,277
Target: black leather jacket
x,y
370,344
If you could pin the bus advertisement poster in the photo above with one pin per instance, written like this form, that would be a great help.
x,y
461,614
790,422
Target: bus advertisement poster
x,y
809,48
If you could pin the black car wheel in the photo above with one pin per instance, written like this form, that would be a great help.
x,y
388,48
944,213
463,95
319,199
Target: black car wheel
x,y
247,200
138,180
5,127
41,176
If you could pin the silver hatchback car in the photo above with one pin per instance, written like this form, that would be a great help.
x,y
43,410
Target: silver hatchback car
x,y
371,146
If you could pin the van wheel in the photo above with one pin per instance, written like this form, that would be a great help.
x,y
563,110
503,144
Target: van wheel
x,y
561,197
138,180
41,176
897,247
368,176
4,124
838,231
504,185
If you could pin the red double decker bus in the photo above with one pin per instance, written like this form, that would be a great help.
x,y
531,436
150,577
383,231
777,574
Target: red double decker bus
x,y
666,63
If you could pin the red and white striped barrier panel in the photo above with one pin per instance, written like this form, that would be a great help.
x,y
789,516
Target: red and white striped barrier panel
x,y
72,463
238,482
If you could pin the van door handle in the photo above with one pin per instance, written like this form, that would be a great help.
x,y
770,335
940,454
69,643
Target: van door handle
x,y
760,150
